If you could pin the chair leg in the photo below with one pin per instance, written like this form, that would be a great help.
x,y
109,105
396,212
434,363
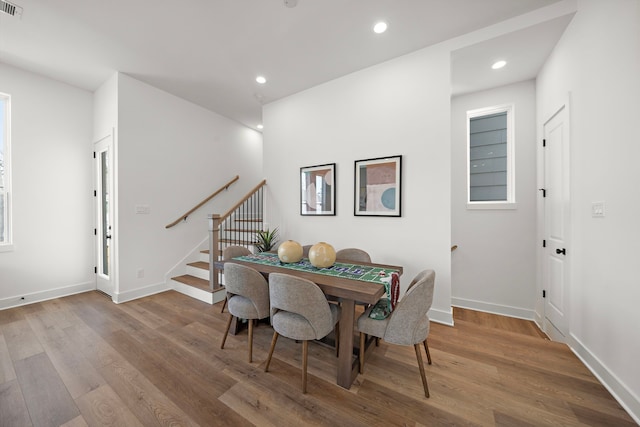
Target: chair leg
x,y
250,339
226,331
224,304
273,346
421,366
337,335
362,341
426,347
305,353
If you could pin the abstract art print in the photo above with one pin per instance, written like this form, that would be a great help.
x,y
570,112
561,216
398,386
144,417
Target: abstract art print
x,y
318,190
377,186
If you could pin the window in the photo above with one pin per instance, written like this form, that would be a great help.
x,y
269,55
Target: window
x,y
490,158
5,175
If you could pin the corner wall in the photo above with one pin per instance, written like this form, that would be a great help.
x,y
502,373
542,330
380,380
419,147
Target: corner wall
x,y
52,188
171,154
494,268
399,107
597,64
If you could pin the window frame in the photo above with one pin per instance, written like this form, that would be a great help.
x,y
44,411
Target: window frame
x,y
7,244
510,203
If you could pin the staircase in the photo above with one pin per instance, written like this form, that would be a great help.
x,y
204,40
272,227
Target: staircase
x,y
236,227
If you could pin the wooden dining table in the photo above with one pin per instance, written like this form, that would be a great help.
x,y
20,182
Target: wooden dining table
x,y
349,290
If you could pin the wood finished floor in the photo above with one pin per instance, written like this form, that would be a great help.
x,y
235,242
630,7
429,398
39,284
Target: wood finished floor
x,y
82,360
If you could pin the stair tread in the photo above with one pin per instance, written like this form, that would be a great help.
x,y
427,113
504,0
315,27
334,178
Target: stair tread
x,y
200,264
190,280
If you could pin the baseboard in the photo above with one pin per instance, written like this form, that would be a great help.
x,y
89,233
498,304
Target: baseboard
x,y
627,399
140,292
40,296
441,316
503,310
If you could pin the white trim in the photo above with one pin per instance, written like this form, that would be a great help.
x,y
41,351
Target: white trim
x,y
510,109
440,316
30,298
7,245
120,297
625,397
491,205
503,310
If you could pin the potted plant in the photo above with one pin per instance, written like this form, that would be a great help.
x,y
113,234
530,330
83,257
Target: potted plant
x,y
266,240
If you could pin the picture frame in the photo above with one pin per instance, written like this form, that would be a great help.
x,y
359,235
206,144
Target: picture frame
x,y
318,190
378,187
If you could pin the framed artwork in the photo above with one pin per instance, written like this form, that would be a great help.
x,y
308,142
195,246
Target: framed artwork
x,y
378,186
318,190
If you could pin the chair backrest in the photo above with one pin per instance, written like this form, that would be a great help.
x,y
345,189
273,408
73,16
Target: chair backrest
x,y
353,254
409,323
302,297
305,250
234,251
249,283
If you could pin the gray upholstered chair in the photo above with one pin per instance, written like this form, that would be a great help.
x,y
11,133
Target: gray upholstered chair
x,y
248,296
305,251
408,323
300,311
229,253
353,254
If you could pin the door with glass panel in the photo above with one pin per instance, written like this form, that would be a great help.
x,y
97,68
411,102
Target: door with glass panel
x,y
104,231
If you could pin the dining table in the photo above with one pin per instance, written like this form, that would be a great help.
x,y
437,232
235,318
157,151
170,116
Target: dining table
x,y
348,281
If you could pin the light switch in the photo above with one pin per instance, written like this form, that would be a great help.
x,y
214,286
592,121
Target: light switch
x,y
143,209
597,209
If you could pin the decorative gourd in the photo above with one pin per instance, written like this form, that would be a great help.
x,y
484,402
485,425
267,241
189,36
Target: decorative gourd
x,y
290,251
322,255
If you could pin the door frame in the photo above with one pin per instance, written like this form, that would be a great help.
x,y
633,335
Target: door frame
x,y
109,141
546,325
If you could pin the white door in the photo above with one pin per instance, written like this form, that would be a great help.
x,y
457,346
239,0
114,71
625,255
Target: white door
x,y
103,153
557,253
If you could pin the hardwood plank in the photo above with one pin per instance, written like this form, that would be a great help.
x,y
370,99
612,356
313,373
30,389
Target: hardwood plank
x,y
75,371
103,407
47,399
7,373
193,391
21,340
416,407
78,421
147,403
159,357
13,410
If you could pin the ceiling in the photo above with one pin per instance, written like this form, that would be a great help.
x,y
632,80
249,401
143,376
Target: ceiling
x,y
210,51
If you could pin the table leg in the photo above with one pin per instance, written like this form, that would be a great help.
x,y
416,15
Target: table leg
x,y
346,371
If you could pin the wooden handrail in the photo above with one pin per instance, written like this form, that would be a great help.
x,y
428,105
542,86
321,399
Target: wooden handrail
x,y
215,193
249,194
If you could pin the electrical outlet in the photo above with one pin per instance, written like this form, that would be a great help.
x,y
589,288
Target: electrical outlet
x,y
140,273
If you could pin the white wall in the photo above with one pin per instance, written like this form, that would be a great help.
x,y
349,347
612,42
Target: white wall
x,y
598,62
171,154
52,190
494,267
398,107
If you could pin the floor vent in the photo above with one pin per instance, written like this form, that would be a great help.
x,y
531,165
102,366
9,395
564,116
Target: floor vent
x,y
10,8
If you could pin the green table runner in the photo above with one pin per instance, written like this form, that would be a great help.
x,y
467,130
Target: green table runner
x,y
365,273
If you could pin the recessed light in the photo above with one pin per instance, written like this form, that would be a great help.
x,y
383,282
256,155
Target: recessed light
x,y
261,79
260,127
499,64
380,27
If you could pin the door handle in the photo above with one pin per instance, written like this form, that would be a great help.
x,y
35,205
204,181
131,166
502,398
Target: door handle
x,y
562,251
